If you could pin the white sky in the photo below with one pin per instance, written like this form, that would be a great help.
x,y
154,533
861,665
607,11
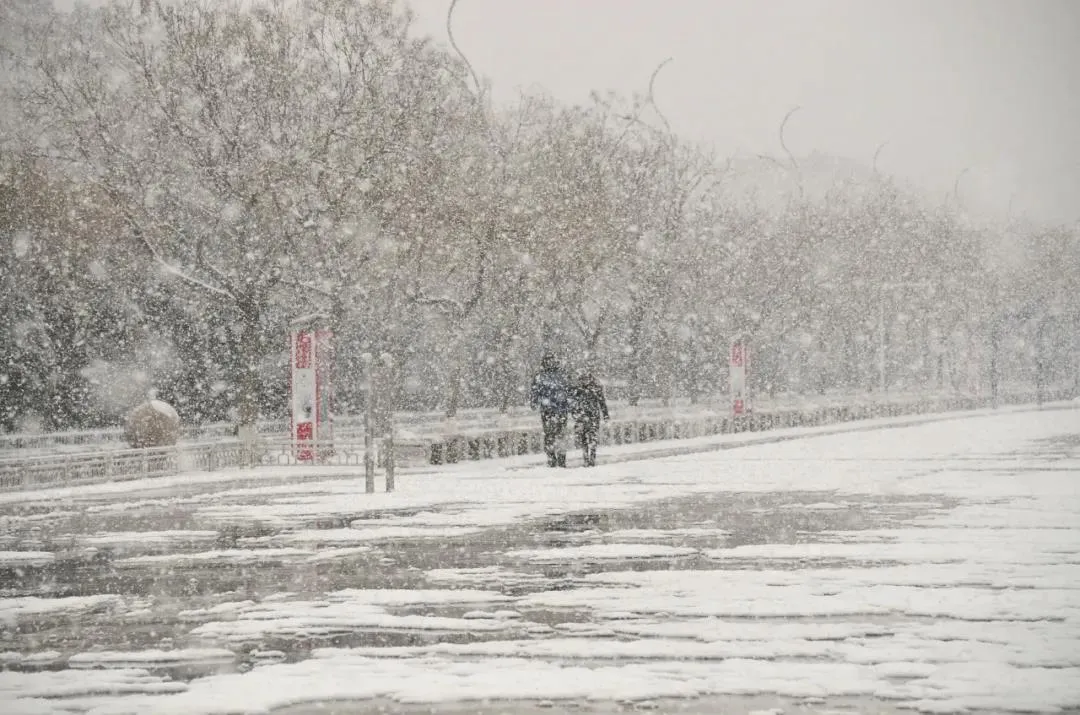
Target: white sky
x,y
992,86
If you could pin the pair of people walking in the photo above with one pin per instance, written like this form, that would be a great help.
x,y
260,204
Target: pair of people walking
x,y
558,399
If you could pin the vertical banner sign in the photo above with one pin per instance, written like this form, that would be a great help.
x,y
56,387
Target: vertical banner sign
x,y
311,365
302,383
324,396
737,378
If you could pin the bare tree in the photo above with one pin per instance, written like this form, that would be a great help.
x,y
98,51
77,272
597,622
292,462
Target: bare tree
x,y
241,143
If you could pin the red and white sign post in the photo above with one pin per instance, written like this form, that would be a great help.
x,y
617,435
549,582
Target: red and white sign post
x,y
311,398
739,366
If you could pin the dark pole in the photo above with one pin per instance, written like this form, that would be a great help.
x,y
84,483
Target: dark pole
x,y
388,415
369,426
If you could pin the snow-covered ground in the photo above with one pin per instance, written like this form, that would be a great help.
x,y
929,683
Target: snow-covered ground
x,y
933,566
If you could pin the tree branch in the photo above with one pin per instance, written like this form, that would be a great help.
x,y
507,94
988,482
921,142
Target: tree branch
x,y
454,44
783,144
956,184
790,156
652,97
168,267
873,163
447,305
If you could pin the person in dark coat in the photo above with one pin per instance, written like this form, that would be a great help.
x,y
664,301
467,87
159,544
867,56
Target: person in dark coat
x,y
551,394
589,407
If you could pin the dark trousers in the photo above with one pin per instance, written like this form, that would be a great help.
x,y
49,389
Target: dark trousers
x,y
588,434
554,425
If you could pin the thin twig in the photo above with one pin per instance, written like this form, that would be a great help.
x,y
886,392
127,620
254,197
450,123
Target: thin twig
x,y
873,164
773,159
783,144
956,185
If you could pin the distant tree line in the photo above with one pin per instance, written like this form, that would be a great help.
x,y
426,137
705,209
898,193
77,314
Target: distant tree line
x,y
179,180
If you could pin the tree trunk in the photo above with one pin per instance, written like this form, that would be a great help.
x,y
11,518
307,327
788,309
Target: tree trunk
x,y
506,382
1040,362
851,379
453,397
457,368
995,364
637,354
1076,356
249,354
668,354
506,378
693,368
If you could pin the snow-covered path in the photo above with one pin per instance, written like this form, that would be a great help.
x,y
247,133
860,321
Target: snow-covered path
x,y
933,566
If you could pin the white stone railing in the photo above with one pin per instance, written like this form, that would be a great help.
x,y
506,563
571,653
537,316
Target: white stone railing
x,y
21,471
72,469
428,425
674,424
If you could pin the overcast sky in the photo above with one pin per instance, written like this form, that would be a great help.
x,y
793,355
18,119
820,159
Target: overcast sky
x,y
992,86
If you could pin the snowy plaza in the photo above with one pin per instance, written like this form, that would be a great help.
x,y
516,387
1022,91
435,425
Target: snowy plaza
x,y
928,564
507,357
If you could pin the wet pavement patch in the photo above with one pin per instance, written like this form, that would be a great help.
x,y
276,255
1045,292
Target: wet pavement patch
x,y
704,705
701,522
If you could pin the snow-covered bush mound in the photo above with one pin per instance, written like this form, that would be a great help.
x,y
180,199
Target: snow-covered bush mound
x,y
152,424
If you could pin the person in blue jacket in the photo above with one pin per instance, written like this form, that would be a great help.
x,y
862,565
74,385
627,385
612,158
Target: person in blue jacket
x,y
551,394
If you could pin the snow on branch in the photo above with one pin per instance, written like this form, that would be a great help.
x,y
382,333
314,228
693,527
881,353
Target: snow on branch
x,y
446,304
